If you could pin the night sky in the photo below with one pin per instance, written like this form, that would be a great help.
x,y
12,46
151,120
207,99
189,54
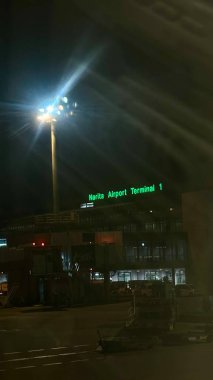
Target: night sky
x,y
137,122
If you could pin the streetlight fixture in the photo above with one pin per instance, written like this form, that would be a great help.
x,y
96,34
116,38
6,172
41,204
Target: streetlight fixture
x,y
50,115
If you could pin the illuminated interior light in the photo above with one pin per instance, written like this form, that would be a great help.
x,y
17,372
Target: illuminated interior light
x,y
3,242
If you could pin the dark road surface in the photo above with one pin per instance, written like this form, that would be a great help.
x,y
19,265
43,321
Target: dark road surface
x,y
62,344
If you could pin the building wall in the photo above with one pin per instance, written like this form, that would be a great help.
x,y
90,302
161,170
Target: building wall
x,y
135,236
23,239
66,238
197,209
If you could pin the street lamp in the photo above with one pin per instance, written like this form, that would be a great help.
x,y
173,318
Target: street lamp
x,y
50,115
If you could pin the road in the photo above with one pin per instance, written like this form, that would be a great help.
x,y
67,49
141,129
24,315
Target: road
x,y
62,344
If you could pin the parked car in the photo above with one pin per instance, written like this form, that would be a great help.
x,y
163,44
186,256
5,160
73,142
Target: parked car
x,y
140,288
119,288
145,288
184,290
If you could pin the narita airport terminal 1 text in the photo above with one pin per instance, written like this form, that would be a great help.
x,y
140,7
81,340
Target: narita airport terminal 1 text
x,y
111,194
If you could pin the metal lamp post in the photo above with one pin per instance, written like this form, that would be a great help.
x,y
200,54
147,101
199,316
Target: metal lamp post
x,y
54,169
50,116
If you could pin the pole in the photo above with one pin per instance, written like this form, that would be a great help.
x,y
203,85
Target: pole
x,y
54,169
106,272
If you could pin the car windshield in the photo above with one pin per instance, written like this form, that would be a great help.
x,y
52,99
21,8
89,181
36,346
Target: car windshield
x,y
106,191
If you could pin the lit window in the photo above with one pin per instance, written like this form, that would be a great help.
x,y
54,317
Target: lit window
x,y
3,242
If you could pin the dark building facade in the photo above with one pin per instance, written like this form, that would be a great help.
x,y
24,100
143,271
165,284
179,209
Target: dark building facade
x,y
143,240
146,239
198,222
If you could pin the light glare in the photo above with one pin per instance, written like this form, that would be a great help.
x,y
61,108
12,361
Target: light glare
x,y
50,108
56,111
44,118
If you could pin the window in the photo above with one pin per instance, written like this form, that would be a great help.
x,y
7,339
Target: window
x,y
149,227
159,251
3,242
162,226
127,228
152,275
170,252
133,227
131,254
96,276
180,250
144,252
180,276
66,261
124,276
176,226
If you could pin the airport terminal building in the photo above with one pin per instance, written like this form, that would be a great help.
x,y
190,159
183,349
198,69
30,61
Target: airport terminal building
x,y
149,235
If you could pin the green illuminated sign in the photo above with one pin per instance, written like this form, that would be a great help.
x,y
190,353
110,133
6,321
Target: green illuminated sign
x,y
114,194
